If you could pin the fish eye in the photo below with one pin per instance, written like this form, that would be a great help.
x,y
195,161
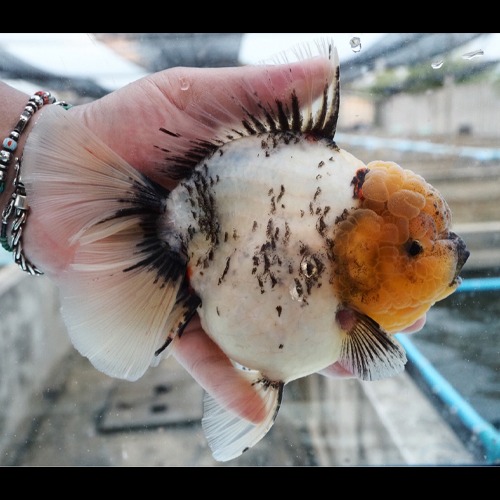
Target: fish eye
x,y
414,247
308,267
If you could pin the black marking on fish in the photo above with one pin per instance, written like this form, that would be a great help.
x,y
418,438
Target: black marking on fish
x,y
217,310
321,225
342,217
225,237
329,249
269,229
317,193
149,203
303,248
281,346
261,284
254,227
357,181
286,237
273,205
181,167
282,192
168,132
189,303
226,269
200,190
267,263
279,309
321,164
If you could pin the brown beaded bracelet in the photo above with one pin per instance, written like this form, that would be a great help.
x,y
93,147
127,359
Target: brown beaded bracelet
x,y
16,211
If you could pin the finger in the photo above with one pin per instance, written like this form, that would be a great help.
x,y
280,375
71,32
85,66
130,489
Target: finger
x,y
208,106
193,104
417,326
335,370
212,369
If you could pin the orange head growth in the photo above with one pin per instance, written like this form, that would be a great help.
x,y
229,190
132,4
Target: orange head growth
x,y
395,255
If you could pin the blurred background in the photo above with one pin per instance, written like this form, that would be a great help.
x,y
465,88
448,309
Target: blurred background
x,y
428,101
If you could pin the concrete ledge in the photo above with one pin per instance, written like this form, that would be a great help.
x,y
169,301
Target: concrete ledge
x,y
33,340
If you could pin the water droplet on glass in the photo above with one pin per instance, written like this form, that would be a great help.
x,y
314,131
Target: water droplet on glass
x,y
355,43
184,83
294,293
437,64
474,53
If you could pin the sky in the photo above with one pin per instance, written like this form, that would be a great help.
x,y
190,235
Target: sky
x,y
81,55
258,46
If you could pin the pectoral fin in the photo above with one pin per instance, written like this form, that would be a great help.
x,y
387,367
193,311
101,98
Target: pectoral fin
x,y
368,352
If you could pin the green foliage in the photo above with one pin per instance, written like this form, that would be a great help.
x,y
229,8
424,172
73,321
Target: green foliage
x,y
423,77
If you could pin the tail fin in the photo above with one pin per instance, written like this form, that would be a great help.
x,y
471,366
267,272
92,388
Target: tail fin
x,y
119,282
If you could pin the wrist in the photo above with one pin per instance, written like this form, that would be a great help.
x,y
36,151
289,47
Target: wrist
x,y
12,192
12,102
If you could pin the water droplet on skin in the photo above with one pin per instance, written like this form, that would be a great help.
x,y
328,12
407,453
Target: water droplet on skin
x,y
184,83
474,53
437,64
355,43
294,293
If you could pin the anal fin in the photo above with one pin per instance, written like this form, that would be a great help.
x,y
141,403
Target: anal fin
x,y
229,435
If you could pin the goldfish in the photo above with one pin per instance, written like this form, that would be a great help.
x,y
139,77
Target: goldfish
x,y
294,253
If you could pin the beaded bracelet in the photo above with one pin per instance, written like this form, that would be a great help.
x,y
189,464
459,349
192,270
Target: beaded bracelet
x,y
17,208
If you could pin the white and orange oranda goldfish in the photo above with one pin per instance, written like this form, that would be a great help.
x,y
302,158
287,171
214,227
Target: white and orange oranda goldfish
x,y
294,253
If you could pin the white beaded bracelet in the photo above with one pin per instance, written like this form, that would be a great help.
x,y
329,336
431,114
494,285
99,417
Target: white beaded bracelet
x,y
17,208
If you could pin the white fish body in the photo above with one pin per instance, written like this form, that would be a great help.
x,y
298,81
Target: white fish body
x,y
294,253
266,285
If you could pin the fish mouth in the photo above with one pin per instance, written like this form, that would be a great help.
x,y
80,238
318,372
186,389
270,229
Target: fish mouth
x,y
462,255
